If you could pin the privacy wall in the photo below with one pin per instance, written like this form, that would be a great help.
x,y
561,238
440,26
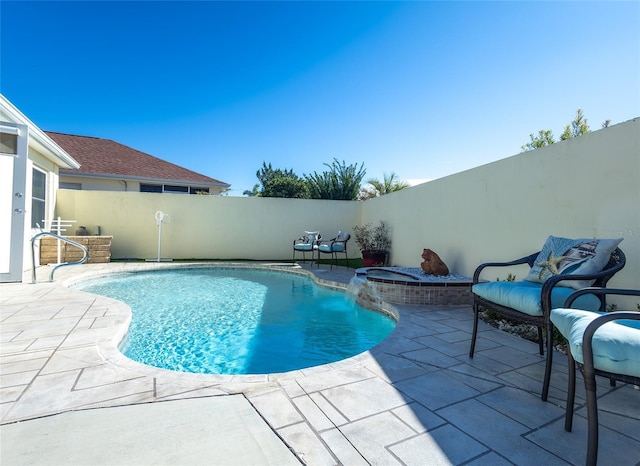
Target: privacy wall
x,y
204,227
584,187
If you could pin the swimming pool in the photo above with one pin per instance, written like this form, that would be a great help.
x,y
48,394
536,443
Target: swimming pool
x,y
239,321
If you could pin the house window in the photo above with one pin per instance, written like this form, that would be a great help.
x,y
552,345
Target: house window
x,y
172,188
168,188
76,186
8,143
38,197
150,188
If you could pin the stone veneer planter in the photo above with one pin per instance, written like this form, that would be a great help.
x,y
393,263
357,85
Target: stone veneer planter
x,y
99,249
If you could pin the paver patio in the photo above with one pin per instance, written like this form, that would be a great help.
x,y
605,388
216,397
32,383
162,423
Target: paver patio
x,y
416,398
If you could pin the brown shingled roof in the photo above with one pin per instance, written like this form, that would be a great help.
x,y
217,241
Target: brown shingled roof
x,y
106,157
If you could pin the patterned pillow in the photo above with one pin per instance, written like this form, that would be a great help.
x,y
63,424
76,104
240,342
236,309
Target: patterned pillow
x,y
342,236
572,257
311,236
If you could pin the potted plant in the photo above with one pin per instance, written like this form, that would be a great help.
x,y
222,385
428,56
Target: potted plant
x,y
374,243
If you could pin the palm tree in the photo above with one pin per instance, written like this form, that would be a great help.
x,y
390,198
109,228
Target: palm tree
x,y
254,192
389,184
341,182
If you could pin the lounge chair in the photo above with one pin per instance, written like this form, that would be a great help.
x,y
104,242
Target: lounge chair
x,y
334,246
305,244
605,344
553,277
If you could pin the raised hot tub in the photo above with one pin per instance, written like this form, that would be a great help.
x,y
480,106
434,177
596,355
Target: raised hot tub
x,y
407,285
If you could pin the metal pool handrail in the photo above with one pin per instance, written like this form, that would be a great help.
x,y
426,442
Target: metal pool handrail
x,y
61,238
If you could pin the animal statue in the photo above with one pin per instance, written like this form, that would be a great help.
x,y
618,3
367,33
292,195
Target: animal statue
x,y
432,264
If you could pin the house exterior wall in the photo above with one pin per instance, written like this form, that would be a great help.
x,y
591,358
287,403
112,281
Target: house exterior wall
x,y
35,159
583,187
47,156
101,184
38,160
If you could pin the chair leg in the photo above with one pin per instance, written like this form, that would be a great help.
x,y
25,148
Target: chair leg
x,y
592,416
294,256
547,369
475,330
540,341
571,392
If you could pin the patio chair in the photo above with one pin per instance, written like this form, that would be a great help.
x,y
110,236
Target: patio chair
x,y
605,344
334,246
553,277
305,244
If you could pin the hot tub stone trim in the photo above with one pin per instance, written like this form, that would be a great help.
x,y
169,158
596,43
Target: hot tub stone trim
x,y
427,290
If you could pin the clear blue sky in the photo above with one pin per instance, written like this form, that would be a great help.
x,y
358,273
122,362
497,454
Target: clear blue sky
x,y
423,89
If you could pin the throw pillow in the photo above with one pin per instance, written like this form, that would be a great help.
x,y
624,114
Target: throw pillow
x,y
312,236
572,257
342,236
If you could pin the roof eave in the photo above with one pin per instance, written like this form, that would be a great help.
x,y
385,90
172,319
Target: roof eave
x,y
38,139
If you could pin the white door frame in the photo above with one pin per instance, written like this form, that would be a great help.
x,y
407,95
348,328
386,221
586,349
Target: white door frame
x,y
12,215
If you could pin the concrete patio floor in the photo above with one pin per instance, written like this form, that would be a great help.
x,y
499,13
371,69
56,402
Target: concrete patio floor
x,y
416,398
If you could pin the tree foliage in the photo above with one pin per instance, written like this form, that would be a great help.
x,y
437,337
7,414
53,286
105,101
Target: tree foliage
x,y
254,192
286,186
544,138
577,127
389,184
340,182
280,183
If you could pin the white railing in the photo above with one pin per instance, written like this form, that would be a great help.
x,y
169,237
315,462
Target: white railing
x,y
58,226
56,267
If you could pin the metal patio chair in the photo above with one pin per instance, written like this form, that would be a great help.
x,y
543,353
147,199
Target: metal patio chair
x,y
531,303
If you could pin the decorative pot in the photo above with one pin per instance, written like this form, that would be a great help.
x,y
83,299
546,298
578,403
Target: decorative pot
x,y
374,258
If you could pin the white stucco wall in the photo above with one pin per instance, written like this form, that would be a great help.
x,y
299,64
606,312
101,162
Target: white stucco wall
x,y
213,227
583,187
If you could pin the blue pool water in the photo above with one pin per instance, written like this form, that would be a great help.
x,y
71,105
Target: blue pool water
x,y
239,321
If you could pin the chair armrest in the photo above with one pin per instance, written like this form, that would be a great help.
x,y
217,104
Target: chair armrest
x,y
599,291
523,260
551,282
331,241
